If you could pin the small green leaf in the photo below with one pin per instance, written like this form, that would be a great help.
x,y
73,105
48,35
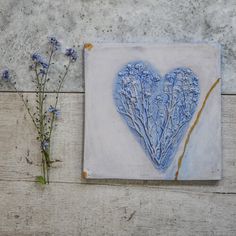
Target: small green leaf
x,y
40,179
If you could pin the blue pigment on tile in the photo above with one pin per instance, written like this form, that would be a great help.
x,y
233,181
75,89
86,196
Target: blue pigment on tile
x,y
157,110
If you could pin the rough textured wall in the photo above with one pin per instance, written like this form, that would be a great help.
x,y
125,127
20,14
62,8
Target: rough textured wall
x,y
25,24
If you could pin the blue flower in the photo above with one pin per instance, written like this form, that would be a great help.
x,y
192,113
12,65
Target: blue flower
x,y
6,75
55,111
38,59
45,145
42,72
54,43
72,54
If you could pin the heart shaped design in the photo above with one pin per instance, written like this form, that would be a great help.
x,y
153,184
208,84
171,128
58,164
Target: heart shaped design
x,y
157,110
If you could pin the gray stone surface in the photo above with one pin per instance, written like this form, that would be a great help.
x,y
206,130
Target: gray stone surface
x,y
25,25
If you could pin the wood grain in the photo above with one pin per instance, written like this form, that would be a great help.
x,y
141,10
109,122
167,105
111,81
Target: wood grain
x,y
73,206
20,155
72,209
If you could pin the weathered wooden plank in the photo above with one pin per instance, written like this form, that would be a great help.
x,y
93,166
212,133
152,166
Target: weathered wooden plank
x,y
18,143
25,25
19,146
71,209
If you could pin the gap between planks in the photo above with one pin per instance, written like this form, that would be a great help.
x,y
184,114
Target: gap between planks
x,y
26,92
161,187
80,92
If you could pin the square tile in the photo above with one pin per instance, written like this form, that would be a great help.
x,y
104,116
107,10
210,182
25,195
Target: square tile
x,y
152,112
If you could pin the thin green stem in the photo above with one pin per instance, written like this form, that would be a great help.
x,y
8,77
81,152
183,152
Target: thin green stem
x,y
41,84
41,119
45,155
46,75
57,95
44,81
27,108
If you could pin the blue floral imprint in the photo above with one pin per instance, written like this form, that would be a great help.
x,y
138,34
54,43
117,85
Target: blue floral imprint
x,y
157,110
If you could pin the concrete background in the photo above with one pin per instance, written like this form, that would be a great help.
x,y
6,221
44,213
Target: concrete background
x,y
71,205
25,25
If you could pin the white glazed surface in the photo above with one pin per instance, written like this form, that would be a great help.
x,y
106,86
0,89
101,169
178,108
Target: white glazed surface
x,y
111,151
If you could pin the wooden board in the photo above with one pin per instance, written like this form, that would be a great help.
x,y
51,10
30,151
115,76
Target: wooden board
x,y
73,206
72,209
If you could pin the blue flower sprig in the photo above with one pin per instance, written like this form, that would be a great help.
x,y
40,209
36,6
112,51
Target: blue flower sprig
x,y
42,115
